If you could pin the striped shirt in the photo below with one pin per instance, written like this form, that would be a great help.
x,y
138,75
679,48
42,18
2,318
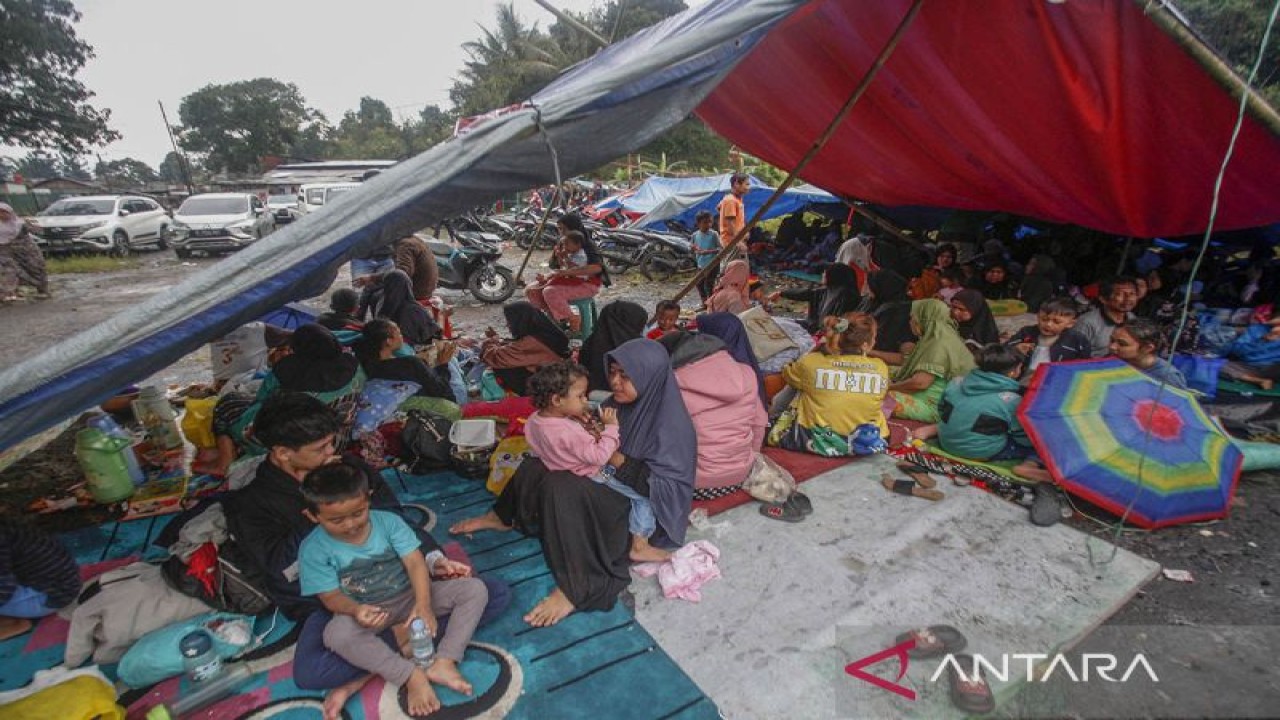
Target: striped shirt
x,y
32,558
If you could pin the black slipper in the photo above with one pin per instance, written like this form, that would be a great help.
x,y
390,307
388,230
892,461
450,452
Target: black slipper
x,y
933,641
973,695
1046,508
800,501
783,511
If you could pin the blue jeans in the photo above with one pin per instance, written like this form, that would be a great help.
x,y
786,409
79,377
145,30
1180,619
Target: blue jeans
x,y
26,602
641,521
316,667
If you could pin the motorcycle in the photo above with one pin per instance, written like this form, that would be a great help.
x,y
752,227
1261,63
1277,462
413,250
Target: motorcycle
x,y
470,263
621,250
666,254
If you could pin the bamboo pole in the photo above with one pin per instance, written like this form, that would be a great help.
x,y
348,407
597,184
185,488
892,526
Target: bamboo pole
x,y
817,146
537,236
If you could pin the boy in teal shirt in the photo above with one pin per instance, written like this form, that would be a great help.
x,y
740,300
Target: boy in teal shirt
x,y
706,243
979,410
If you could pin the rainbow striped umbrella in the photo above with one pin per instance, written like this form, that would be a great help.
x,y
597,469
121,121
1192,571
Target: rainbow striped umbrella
x,y
1116,438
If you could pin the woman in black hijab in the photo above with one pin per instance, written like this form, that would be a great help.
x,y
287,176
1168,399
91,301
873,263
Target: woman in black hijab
x,y
317,363
619,321
535,341
891,307
973,318
837,295
397,304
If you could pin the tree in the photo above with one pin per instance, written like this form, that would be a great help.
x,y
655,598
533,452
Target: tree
x,y
127,172
42,104
692,143
432,127
370,132
1234,28
507,65
237,123
37,166
171,170
72,166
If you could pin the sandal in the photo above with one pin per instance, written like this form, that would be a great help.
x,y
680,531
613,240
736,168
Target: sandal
x,y
800,501
784,511
933,641
973,695
1046,508
909,487
919,474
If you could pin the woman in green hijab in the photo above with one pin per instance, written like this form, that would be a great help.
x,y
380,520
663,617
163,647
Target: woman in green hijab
x,y
924,371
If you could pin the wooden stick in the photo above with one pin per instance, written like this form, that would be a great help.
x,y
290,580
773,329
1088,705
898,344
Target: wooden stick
x,y
537,236
817,146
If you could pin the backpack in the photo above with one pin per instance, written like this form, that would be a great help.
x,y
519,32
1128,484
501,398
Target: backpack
x,y
237,586
425,441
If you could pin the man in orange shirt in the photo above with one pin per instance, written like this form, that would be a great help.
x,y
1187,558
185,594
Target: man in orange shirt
x,y
733,215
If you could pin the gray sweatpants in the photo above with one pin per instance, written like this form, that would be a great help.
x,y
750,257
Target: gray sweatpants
x,y
463,600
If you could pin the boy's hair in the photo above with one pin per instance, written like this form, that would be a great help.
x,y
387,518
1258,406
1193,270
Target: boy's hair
x,y
954,274
576,237
344,300
859,330
293,419
1108,286
737,178
998,358
368,348
1145,331
702,215
947,249
1060,306
333,483
554,379
665,306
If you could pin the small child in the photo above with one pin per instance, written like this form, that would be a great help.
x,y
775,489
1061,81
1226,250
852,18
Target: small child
x,y
979,410
838,388
666,317
1137,342
1254,357
365,568
1051,339
706,243
343,304
570,253
564,435
952,282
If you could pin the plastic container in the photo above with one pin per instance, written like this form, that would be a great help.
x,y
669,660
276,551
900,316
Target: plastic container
x,y
102,457
204,694
424,649
199,657
108,425
474,434
157,416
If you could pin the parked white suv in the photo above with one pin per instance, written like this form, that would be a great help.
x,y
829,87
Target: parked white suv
x,y
219,222
117,224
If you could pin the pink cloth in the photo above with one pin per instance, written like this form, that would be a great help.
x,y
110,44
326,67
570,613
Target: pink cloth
x,y
564,444
555,299
686,571
723,400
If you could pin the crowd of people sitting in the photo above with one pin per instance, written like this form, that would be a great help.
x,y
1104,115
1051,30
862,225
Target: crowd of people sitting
x,y
648,415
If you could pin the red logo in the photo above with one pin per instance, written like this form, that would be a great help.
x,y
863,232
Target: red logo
x,y
899,651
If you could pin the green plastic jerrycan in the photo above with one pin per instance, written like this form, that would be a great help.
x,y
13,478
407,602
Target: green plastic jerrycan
x,y
102,458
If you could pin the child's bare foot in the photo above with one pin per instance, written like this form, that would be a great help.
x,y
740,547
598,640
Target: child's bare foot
x,y
551,610
1032,470
642,551
337,698
422,698
13,627
487,521
1266,384
444,671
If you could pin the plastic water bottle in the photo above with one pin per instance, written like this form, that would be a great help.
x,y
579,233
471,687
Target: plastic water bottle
x,y
424,649
199,659
204,694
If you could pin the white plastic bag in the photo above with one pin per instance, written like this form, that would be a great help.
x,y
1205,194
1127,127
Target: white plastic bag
x,y
768,481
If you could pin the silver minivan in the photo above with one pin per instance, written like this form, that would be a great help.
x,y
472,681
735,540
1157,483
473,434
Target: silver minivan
x,y
219,222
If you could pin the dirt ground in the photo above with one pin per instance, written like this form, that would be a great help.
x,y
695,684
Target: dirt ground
x,y
1234,563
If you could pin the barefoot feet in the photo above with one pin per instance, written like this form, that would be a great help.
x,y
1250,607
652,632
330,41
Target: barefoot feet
x,y
13,627
422,698
642,551
338,697
444,671
553,608
488,521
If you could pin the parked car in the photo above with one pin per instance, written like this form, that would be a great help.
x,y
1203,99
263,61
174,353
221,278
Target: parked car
x,y
313,196
219,222
284,208
117,224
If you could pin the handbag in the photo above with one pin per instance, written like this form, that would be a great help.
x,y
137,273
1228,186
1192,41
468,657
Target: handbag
x,y
425,441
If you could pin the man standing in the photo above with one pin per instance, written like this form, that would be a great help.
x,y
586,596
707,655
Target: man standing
x,y
733,215
1117,298
416,260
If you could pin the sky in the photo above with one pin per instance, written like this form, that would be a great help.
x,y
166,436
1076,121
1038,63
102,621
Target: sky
x,y
403,52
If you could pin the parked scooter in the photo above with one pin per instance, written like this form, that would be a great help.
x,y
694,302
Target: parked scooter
x,y
470,263
666,254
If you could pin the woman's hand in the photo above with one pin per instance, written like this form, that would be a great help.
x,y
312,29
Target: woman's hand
x,y
618,459
609,415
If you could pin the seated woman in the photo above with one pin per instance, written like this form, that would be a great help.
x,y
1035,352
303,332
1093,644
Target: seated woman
x,y
619,321
838,294
839,388
535,341
37,577
582,524
1254,357
1138,343
731,293
923,373
995,283
723,397
553,294
974,321
890,307
733,333
397,304
381,354
343,304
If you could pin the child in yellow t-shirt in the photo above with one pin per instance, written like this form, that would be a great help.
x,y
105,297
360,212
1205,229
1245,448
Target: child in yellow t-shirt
x,y
839,389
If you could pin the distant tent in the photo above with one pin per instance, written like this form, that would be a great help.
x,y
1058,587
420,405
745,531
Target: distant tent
x,y
1084,112
681,199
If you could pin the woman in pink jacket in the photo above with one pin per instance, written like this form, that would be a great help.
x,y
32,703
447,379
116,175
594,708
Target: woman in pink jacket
x,y
723,399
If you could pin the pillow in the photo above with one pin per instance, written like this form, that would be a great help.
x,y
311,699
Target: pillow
x,y
379,401
766,338
155,656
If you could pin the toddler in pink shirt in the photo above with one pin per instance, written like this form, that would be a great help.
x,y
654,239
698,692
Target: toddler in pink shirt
x,y
566,437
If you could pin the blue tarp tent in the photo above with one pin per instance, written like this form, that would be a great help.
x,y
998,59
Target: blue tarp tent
x,y
1077,130
681,199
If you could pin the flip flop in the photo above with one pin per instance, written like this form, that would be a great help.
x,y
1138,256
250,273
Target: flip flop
x,y
800,501
781,511
933,641
919,474
974,694
1046,508
909,487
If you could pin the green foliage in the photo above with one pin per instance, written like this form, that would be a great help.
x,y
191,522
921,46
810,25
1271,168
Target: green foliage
x,y
369,132
42,104
128,173
171,170
37,166
692,143
1234,28
235,124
